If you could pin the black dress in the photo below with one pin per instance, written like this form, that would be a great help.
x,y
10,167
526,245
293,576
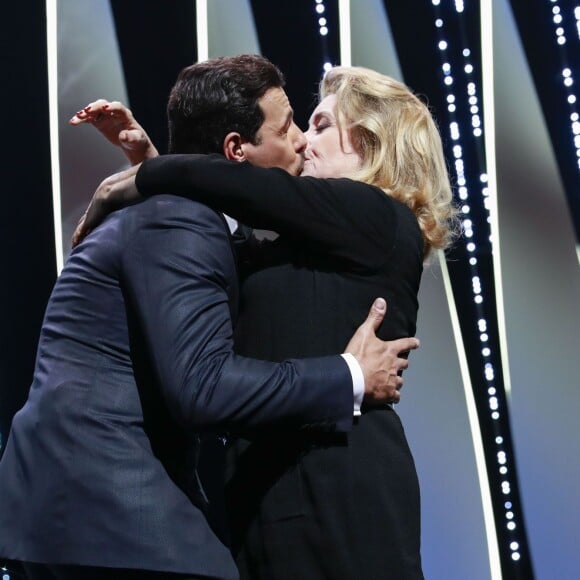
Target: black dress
x,y
304,504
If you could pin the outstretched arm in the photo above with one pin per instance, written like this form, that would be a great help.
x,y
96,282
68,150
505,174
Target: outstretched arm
x,y
346,219
117,125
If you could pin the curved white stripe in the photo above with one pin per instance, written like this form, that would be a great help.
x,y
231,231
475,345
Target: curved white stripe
x,y
484,487
52,61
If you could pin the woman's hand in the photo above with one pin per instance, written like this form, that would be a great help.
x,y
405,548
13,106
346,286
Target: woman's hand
x,y
117,124
113,193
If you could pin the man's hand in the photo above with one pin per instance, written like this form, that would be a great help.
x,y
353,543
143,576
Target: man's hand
x,y
113,193
380,361
117,124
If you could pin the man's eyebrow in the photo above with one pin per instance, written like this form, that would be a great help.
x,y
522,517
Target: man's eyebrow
x,y
287,120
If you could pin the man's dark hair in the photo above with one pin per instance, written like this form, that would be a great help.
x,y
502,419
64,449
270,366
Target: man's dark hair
x,y
212,98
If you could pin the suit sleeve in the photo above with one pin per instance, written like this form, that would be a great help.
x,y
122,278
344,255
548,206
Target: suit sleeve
x,y
346,219
176,266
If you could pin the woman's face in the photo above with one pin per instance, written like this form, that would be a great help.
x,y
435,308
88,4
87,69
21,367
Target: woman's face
x,y
327,155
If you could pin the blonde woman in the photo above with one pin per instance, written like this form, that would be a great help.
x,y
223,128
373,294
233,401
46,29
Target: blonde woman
x,y
373,200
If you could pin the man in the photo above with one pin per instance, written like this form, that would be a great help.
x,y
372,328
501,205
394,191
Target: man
x,y
135,360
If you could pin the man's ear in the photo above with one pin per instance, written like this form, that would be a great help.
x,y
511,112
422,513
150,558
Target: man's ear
x,y
234,147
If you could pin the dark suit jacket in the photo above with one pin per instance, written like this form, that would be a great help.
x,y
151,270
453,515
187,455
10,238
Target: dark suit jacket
x,y
134,360
330,505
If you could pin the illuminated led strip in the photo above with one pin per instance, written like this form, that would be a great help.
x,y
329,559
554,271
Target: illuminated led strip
x,y
486,12
488,180
202,30
52,61
345,32
320,9
567,76
484,486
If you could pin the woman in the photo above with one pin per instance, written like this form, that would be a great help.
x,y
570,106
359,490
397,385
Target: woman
x,y
322,505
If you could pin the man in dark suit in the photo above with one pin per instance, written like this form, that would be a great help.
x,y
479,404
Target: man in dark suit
x,y
98,478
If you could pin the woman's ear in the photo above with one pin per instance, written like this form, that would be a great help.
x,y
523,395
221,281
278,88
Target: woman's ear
x,y
234,147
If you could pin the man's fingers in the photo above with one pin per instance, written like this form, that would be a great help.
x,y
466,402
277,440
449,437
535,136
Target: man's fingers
x,y
405,344
376,313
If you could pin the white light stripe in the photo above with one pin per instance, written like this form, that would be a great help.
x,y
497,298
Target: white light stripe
x,y
490,156
52,62
202,30
484,487
344,32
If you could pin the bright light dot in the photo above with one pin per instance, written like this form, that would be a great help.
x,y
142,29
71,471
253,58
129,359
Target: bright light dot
x,y
511,526
438,23
508,505
568,82
327,66
576,128
509,515
322,21
454,128
472,100
559,31
448,80
499,441
435,2
557,19
571,99
323,31
492,391
457,151
515,556
471,88
320,8
483,337
485,351
474,110
561,40
471,247
477,132
465,209
514,546
478,299
503,470
468,68
556,9
493,404
566,72
463,192
466,52
483,178
495,415
451,108
574,117
446,67
459,5
451,99
442,45
472,261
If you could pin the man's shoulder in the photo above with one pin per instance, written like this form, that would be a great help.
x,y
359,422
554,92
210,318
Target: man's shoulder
x,y
167,208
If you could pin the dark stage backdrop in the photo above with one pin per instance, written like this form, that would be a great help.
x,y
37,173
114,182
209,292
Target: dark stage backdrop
x,y
102,52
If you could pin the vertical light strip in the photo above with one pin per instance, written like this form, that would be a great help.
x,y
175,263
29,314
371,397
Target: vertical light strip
x,y
486,18
202,30
52,61
344,32
484,487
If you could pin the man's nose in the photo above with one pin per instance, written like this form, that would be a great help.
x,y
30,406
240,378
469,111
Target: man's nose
x,y
299,139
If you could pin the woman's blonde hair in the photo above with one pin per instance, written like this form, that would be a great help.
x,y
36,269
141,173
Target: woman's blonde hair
x,y
400,146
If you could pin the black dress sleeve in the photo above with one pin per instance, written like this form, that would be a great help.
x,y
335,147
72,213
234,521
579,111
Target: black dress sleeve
x,y
346,219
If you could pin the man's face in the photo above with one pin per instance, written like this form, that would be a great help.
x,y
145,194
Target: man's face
x,y
280,142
